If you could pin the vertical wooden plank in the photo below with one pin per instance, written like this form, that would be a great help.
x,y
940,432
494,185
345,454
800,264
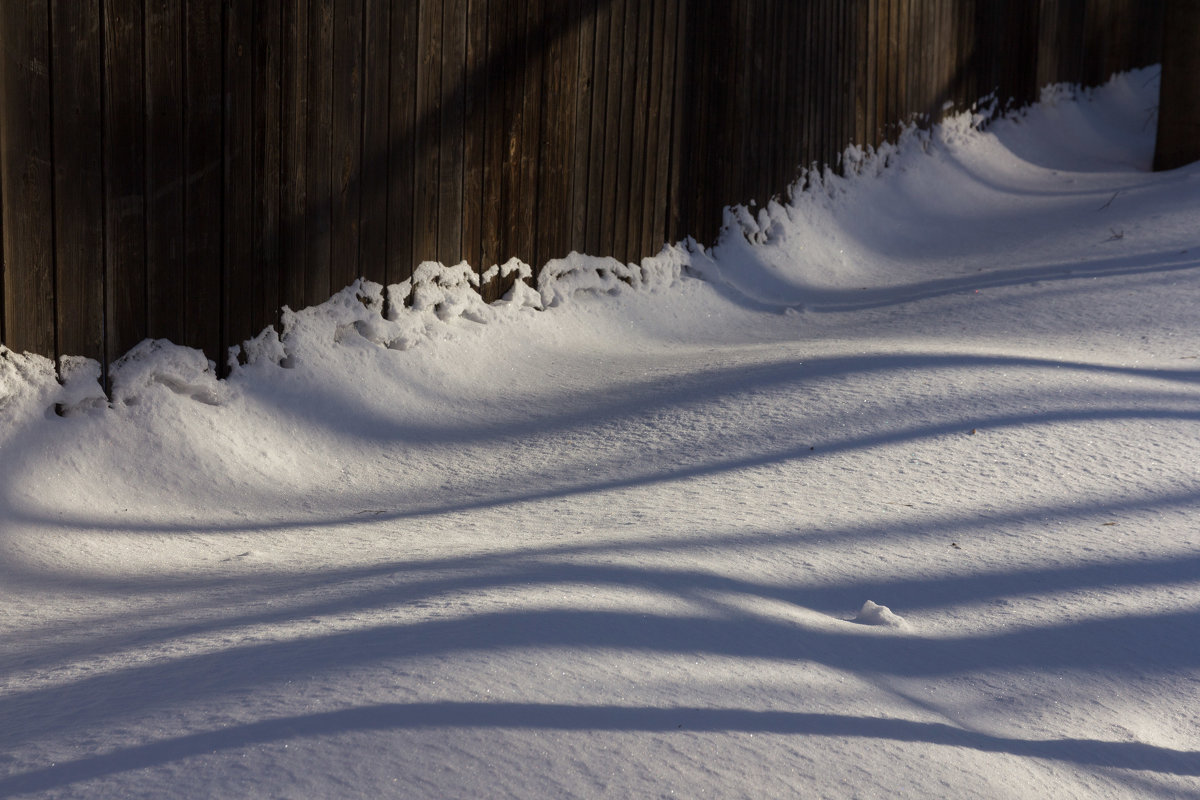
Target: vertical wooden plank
x,y
795,67
238,141
903,102
559,67
203,166
267,32
528,149
293,176
401,142
639,120
452,133
739,161
679,223
164,171
776,56
510,30
499,74
876,43
584,99
27,192
124,177
372,233
838,71
654,195
319,147
474,132
612,128
598,137
861,62
428,130
347,141
78,185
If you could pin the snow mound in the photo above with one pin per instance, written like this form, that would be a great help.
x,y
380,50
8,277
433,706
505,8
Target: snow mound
x,y
874,614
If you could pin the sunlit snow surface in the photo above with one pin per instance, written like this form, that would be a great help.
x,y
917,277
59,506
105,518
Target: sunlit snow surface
x,y
633,534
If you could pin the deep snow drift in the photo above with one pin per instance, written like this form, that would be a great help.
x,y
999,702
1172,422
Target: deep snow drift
x,y
893,493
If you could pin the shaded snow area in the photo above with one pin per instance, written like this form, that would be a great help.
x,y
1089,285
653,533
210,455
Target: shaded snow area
x,y
894,492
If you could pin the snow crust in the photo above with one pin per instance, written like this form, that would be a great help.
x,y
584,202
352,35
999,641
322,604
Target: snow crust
x,y
612,535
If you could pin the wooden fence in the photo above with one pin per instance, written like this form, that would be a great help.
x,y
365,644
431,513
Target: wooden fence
x,y
183,168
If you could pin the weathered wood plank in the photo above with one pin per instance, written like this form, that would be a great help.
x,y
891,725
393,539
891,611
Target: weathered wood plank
x,y
475,123
679,187
511,61
78,190
639,121
372,232
28,178
452,137
347,141
294,172
612,128
164,171
124,179
267,30
585,13
654,195
559,77
497,75
597,129
238,255
319,153
428,130
528,149
203,167
402,106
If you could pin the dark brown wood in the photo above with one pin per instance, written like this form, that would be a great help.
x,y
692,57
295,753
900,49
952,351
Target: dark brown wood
x,y
237,280
612,128
372,232
346,204
78,185
204,160
293,159
510,61
452,136
401,164
597,130
532,43
164,171
319,153
678,189
654,185
475,125
497,73
125,180
583,124
261,153
27,192
631,203
1178,136
560,44
428,130
267,31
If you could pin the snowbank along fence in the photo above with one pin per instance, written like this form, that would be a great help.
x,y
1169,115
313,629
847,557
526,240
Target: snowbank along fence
x,y
183,168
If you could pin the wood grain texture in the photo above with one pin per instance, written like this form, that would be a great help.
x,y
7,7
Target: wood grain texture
x,y
164,171
204,160
76,45
124,154
269,152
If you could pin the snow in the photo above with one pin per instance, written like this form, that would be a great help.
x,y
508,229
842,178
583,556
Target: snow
x,y
618,535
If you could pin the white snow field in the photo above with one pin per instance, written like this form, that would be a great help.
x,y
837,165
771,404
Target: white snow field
x,y
895,492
